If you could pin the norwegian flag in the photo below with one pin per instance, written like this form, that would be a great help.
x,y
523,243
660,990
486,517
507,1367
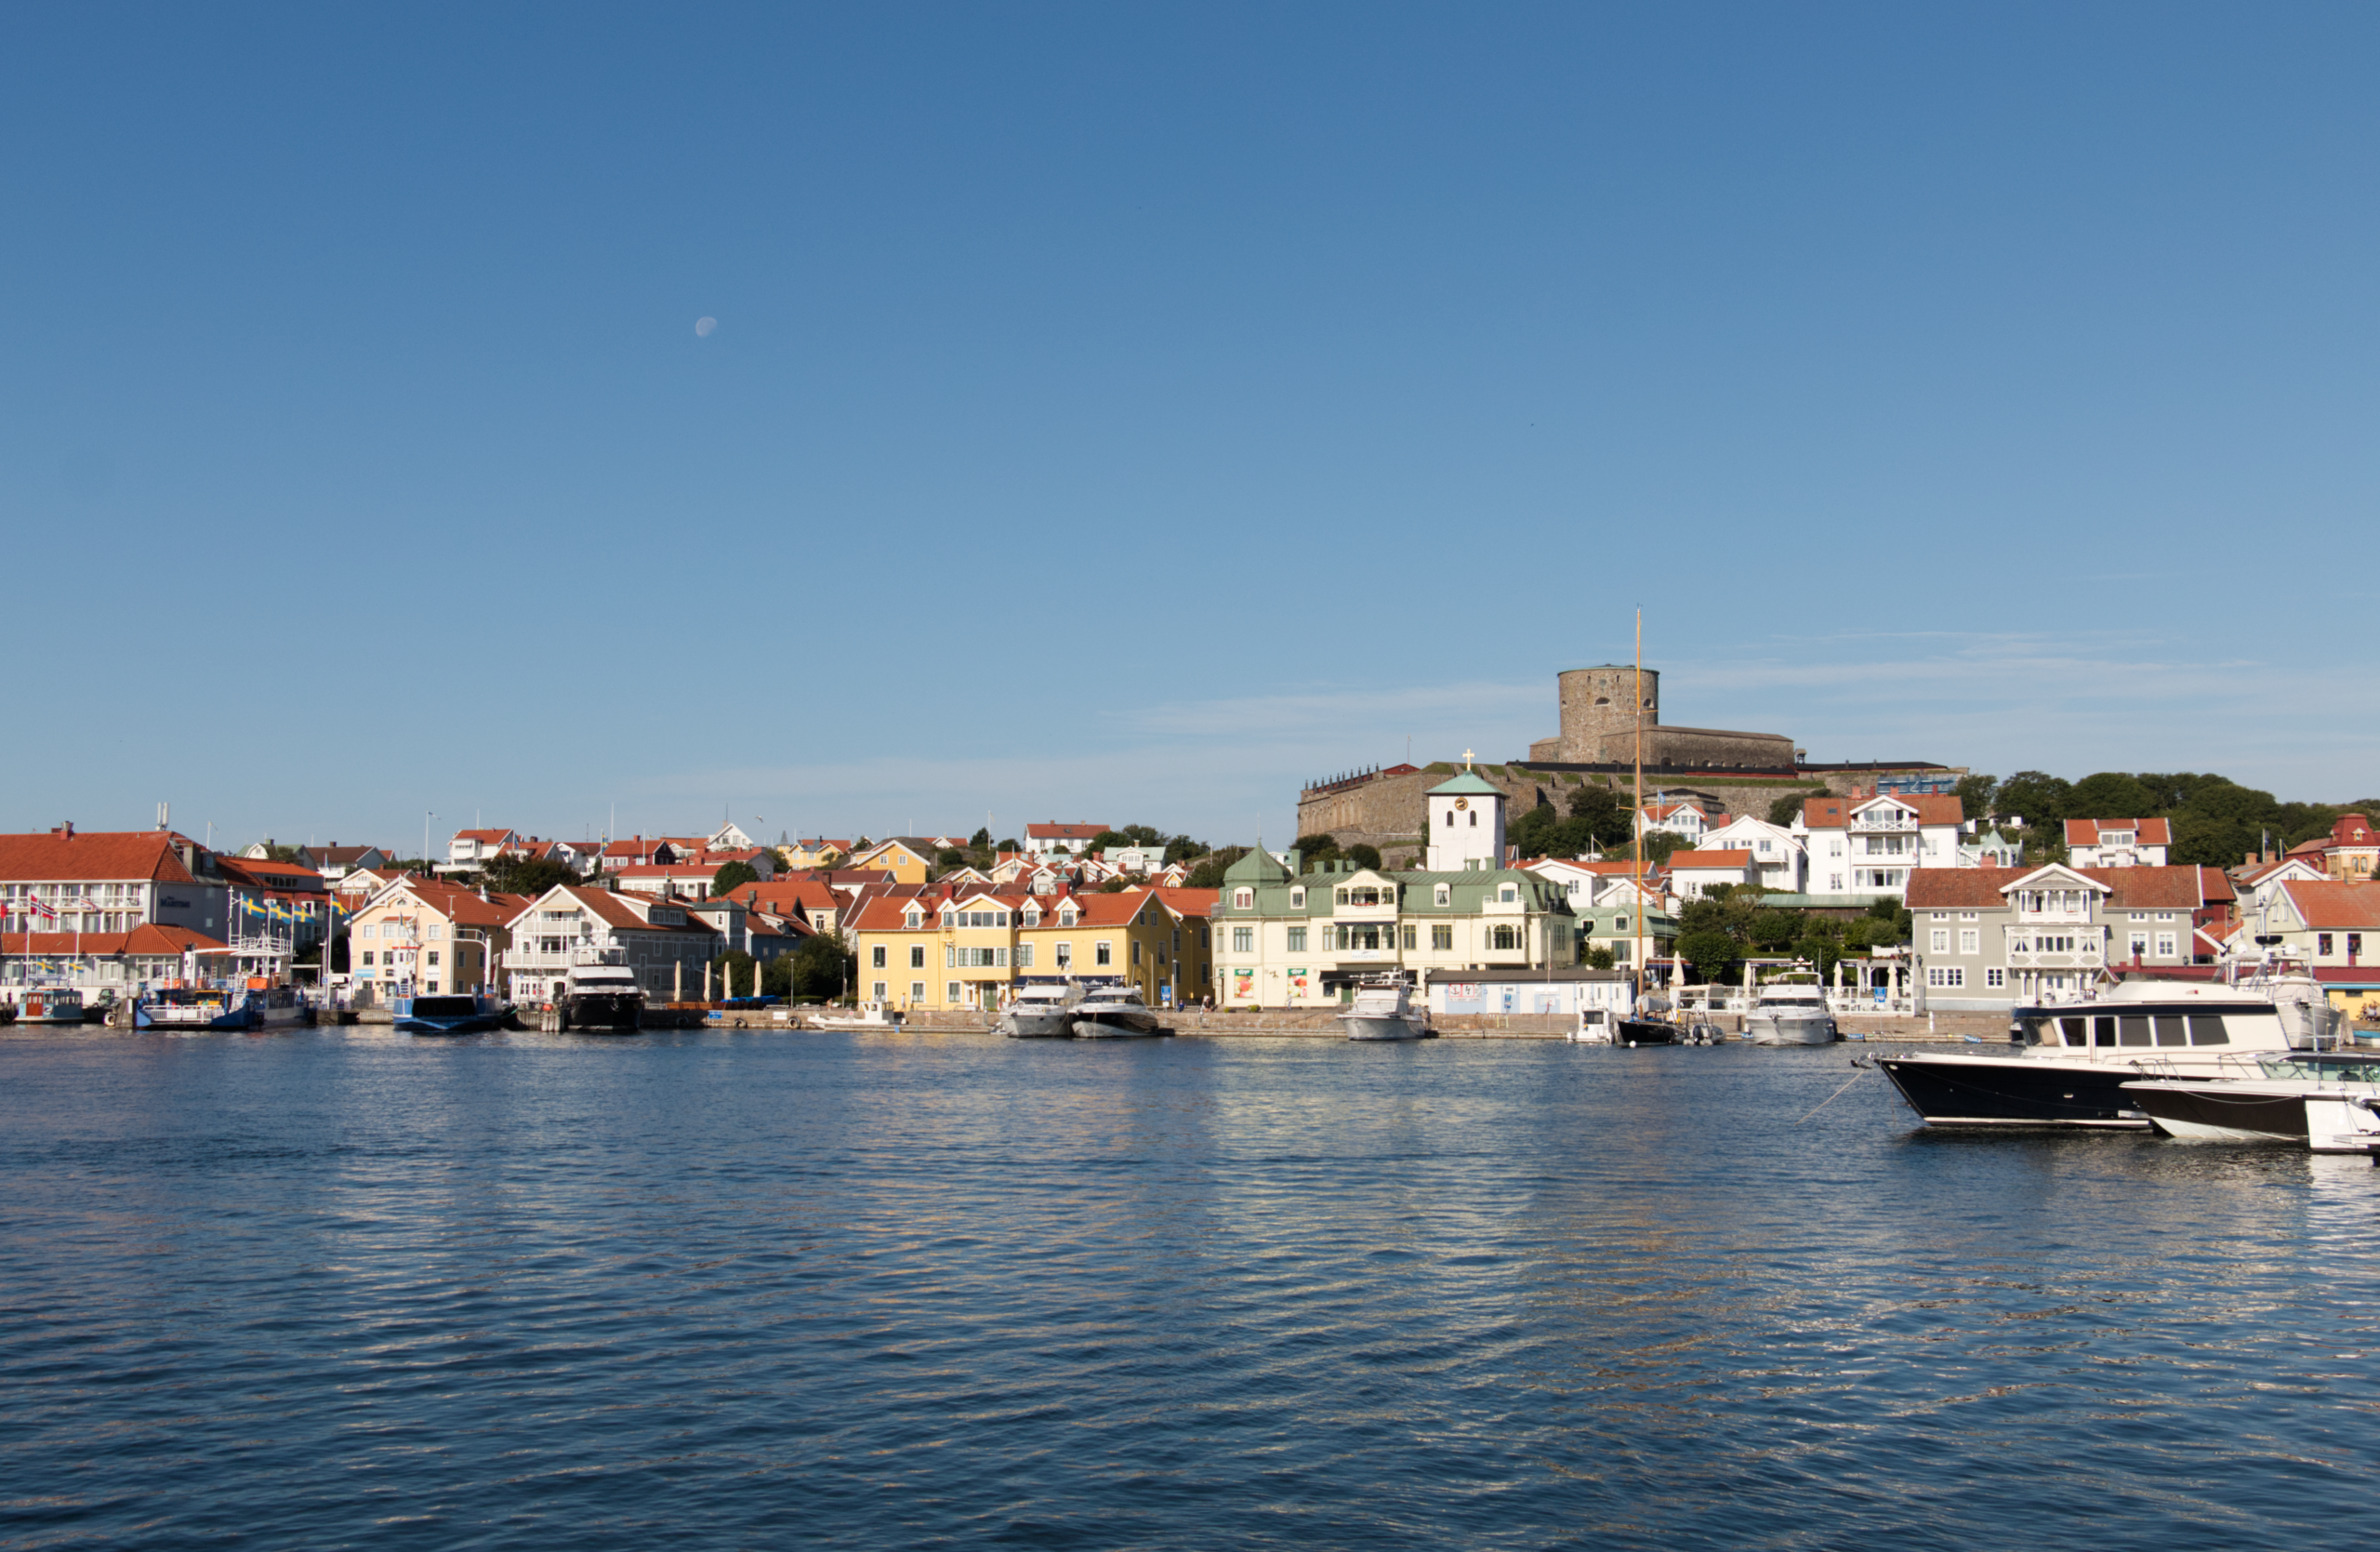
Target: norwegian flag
x,y
42,909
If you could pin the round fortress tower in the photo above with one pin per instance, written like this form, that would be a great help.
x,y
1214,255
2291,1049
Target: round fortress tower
x,y
1598,709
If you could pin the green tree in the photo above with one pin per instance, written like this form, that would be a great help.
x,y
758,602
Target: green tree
x,y
2036,797
1712,953
1976,795
981,839
524,875
733,875
1113,886
1774,930
815,970
1183,849
1598,958
2110,795
1316,848
1011,845
1208,874
733,968
1604,814
1363,855
1661,845
1822,951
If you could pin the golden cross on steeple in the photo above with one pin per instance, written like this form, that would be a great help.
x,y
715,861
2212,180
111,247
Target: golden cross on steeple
x,y
1466,760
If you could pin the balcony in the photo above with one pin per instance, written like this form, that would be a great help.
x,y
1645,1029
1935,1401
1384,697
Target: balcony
x,y
1883,822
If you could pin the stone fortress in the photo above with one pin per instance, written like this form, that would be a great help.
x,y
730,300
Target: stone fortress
x,y
1726,772
1599,728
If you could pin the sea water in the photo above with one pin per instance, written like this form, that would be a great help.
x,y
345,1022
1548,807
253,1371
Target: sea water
x,y
345,1287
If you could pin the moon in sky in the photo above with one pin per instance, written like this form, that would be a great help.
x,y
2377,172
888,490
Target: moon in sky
x,y
703,327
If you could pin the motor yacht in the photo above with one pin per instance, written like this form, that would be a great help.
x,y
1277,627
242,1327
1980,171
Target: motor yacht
x,y
1042,1013
1384,1010
866,1015
601,994
2323,1100
1790,1013
2066,1064
1115,1012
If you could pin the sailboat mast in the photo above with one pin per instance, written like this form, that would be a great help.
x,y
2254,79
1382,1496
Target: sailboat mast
x,y
1641,832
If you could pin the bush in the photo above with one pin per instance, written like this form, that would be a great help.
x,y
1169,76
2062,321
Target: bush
x,y
733,875
1363,855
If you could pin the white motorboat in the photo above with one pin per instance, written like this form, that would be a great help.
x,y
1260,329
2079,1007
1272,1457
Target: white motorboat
x,y
1384,1010
2067,1063
1042,1013
1790,1013
867,1015
1115,1012
1596,1026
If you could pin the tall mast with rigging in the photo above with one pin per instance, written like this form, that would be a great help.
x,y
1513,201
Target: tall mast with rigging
x,y
1638,850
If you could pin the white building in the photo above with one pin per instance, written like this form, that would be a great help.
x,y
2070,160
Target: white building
x,y
1046,838
1466,825
1694,874
1684,818
662,943
2116,842
1867,846
1781,857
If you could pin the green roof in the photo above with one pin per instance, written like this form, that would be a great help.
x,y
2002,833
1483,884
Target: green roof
x,y
1469,782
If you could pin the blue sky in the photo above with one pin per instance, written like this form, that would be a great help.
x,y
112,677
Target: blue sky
x,y
1124,414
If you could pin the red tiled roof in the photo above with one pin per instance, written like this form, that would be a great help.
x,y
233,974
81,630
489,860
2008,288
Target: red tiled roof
x,y
2333,906
1064,833
1961,888
147,939
1709,860
1197,903
2128,888
2148,833
483,834
132,853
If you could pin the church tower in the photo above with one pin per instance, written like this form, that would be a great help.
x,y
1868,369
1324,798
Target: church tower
x,y
1466,825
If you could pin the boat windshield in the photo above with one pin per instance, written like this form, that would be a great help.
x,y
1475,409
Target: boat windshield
x,y
444,1007
2366,1072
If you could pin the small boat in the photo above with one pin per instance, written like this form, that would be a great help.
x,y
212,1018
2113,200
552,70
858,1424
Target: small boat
x,y
1647,1031
1790,1013
601,993
1596,1026
1042,1013
192,1008
867,1015
1115,1012
7,1015
49,1005
1702,1031
458,1014
1384,1009
278,1007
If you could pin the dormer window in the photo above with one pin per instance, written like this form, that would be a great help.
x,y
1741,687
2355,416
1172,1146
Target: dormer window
x,y
1066,917
1509,894
1033,916
1443,895
1241,899
914,920
1297,900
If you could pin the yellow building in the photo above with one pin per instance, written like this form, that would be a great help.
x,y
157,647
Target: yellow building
x,y
907,861
818,851
1132,939
952,954
426,937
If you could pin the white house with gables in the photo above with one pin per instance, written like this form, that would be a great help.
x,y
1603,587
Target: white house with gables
x,y
1780,858
1869,845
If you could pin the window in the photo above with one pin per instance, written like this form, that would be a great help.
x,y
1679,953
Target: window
x,y
1441,895
1506,936
1442,936
916,956
875,961
1136,950
367,956
1995,978
2139,946
1024,956
1939,940
1243,940
949,957
1297,900
1067,954
1241,899
1949,976
2354,944
1474,819
1509,894
2165,946
917,991
2323,944
1412,937
433,985
878,991
1620,923
1102,952
951,992
913,920
1970,941
433,959
1066,917
1297,940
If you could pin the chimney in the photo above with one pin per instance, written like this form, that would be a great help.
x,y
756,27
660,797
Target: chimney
x,y
65,831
